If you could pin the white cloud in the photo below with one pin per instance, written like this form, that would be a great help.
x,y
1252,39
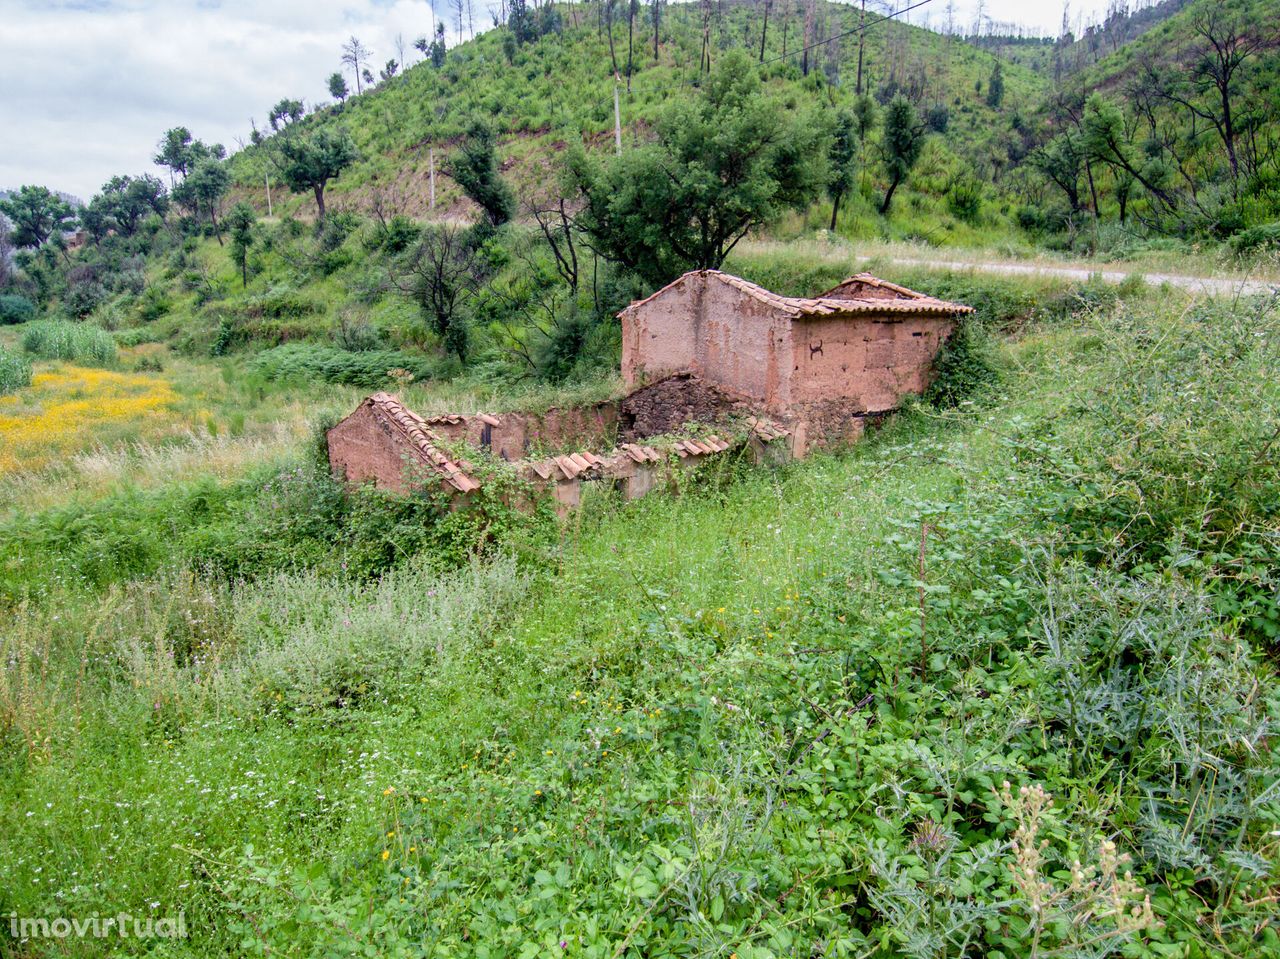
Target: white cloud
x,y
87,88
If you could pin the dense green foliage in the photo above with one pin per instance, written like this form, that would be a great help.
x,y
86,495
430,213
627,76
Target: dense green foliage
x,y
37,215
309,161
358,368
15,308
723,163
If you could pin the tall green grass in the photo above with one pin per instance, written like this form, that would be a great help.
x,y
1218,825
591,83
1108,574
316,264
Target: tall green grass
x,y
64,340
15,372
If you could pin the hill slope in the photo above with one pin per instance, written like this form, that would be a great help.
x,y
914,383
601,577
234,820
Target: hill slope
x,y
560,87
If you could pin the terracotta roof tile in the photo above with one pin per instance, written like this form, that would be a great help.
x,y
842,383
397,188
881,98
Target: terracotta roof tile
x,y
797,307
767,430
488,419
424,443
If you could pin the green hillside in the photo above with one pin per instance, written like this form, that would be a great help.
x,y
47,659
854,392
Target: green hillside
x,y
559,88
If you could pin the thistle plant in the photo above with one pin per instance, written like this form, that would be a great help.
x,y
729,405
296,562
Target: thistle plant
x,y
1099,909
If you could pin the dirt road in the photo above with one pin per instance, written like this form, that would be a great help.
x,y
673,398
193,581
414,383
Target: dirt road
x,y
1216,286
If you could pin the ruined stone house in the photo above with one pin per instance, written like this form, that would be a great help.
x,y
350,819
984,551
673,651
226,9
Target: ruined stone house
x,y
771,375
821,365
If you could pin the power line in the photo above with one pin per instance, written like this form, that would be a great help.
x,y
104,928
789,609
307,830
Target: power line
x,y
848,33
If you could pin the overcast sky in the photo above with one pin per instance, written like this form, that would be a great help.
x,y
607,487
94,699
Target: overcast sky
x,y
88,86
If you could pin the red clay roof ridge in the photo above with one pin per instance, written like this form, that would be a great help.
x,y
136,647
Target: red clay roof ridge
x,y
798,307
422,441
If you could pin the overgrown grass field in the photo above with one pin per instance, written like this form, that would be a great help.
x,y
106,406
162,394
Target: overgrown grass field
x,y
997,681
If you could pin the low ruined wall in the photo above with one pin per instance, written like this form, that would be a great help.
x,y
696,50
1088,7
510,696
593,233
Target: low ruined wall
x,y
514,436
669,405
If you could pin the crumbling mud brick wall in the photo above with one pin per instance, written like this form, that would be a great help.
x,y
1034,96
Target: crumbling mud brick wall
x,y
717,329
513,436
872,363
669,405
363,448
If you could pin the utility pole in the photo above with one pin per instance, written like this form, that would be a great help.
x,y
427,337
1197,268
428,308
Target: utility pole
x,y
266,177
431,153
617,117
862,38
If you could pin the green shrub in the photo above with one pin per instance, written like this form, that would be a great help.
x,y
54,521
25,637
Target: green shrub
x,y
280,302
83,298
15,372
965,368
1165,449
1257,239
367,368
77,342
15,308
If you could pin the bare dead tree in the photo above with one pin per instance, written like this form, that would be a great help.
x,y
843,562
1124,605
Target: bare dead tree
x,y
1226,45
558,230
354,55
440,276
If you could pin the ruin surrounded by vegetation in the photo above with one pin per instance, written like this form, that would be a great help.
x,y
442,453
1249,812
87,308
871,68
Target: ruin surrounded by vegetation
x,y
777,375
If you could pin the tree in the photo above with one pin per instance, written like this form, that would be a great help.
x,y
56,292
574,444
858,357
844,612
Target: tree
x,y
174,151
310,162
123,203
843,156
240,223
203,190
179,152
1060,161
475,168
438,48
37,214
521,22
389,70
722,162
285,112
338,87
904,137
1106,139
354,55
995,87
439,275
1211,87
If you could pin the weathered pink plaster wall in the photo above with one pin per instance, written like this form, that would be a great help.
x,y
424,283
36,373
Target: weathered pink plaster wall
x,y
660,337
871,360
709,328
754,349
363,449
